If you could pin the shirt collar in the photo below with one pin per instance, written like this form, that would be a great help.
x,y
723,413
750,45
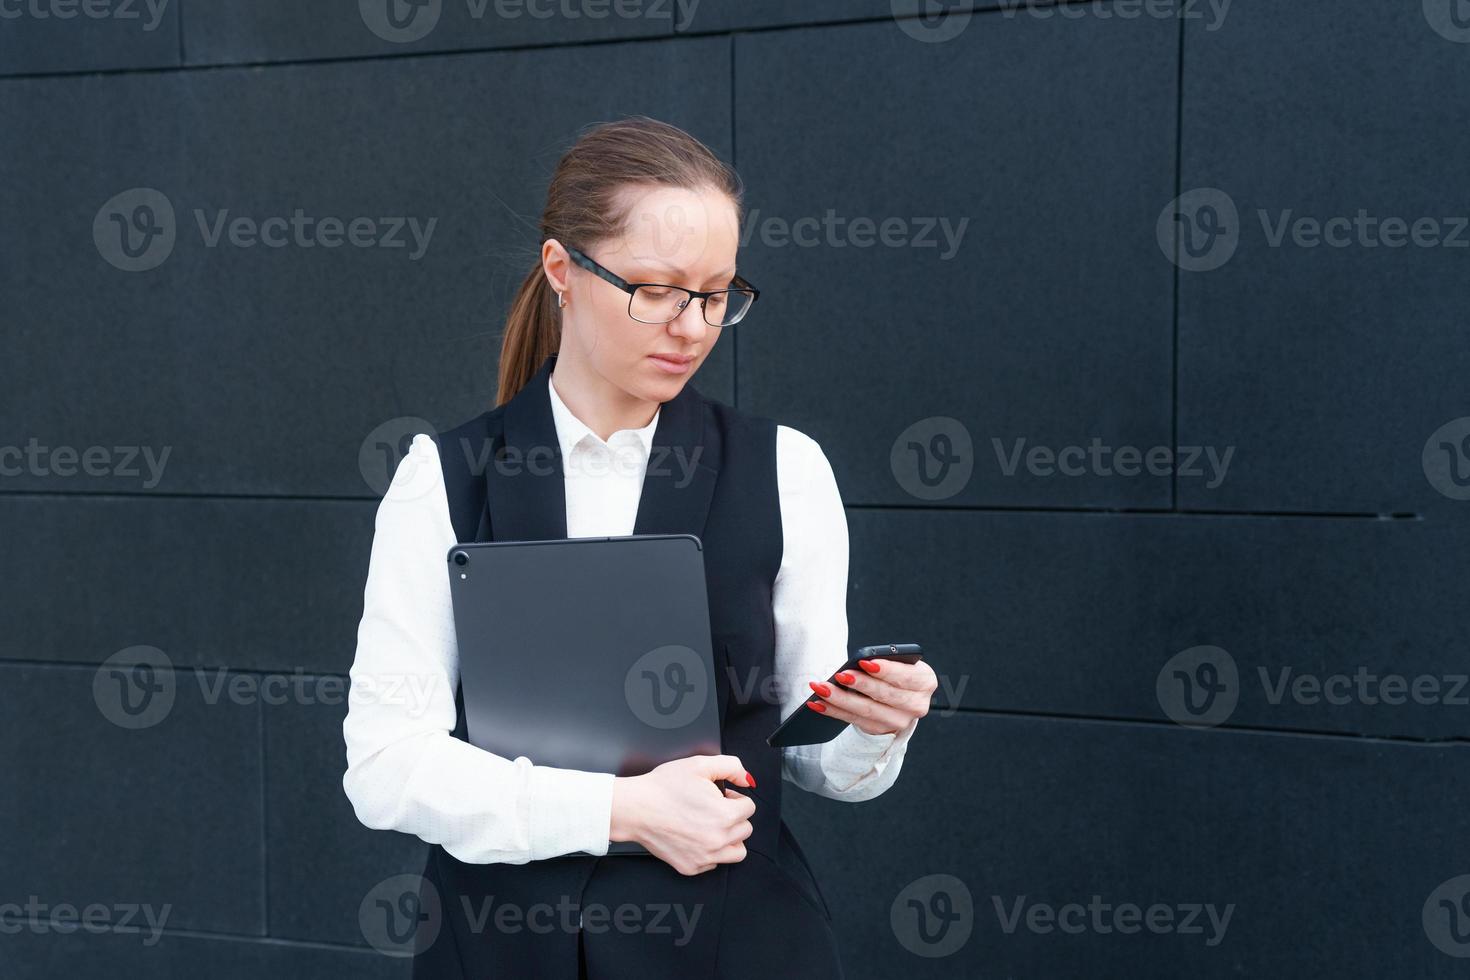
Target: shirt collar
x,y
571,430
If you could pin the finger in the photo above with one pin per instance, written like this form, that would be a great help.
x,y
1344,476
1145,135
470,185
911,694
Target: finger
x,y
877,694
730,855
916,676
872,713
727,767
856,680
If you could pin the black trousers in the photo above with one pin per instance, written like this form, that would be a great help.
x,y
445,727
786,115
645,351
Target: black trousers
x,y
758,918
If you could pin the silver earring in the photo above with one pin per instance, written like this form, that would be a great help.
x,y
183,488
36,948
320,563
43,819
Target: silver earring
x,y
561,300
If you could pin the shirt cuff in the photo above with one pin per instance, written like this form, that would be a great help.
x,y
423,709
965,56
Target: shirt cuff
x,y
570,810
855,752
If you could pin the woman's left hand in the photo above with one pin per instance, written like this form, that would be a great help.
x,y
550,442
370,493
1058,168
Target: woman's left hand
x,y
881,699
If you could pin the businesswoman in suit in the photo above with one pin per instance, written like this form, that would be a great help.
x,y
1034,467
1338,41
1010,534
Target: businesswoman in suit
x,y
635,284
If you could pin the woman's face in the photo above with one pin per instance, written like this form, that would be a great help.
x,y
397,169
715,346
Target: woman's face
x,y
675,236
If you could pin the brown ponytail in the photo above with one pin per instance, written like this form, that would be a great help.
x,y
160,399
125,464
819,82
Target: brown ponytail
x,y
582,209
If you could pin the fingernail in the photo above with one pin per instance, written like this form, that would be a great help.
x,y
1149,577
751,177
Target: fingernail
x,y
821,689
843,678
750,779
816,706
871,666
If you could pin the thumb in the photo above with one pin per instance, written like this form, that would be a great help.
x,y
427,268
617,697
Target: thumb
x,y
728,767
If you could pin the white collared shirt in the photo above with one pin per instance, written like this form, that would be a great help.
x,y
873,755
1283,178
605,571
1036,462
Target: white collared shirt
x,y
406,772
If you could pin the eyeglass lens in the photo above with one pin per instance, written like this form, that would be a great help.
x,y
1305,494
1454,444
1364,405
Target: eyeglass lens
x,y
660,304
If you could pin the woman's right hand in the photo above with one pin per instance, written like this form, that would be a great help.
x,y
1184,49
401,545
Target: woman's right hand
x,y
681,816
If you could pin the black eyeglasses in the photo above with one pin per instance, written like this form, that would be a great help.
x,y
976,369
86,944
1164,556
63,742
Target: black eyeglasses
x,y
656,302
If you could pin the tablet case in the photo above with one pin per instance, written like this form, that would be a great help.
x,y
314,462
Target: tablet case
x,y
587,653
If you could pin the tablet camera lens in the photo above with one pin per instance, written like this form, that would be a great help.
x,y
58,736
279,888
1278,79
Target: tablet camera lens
x,y
460,558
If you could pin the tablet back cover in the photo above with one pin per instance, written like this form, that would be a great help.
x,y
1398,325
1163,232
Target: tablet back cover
x,y
587,653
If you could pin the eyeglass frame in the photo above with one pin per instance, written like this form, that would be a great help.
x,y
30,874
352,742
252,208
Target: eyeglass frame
x,y
593,266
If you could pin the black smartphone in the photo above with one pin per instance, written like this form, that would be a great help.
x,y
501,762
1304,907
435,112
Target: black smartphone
x,y
808,727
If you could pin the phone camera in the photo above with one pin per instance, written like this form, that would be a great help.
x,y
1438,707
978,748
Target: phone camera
x,y
460,558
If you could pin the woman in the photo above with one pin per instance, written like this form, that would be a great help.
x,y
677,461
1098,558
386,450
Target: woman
x,y
596,369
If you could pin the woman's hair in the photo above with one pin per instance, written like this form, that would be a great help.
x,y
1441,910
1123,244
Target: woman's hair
x,y
583,208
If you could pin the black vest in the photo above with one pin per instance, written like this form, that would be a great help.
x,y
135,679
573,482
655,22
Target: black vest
x,y
711,473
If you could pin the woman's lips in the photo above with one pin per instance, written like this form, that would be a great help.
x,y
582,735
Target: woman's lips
x,y
673,365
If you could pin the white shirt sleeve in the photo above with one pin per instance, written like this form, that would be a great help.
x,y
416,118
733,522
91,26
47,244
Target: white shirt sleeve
x,y
810,607
405,771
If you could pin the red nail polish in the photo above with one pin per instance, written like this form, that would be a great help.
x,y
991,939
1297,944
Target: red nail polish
x,y
843,678
871,666
821,689
816,706
750,779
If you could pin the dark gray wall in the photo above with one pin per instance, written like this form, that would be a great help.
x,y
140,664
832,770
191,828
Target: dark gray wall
x,y
1063,760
